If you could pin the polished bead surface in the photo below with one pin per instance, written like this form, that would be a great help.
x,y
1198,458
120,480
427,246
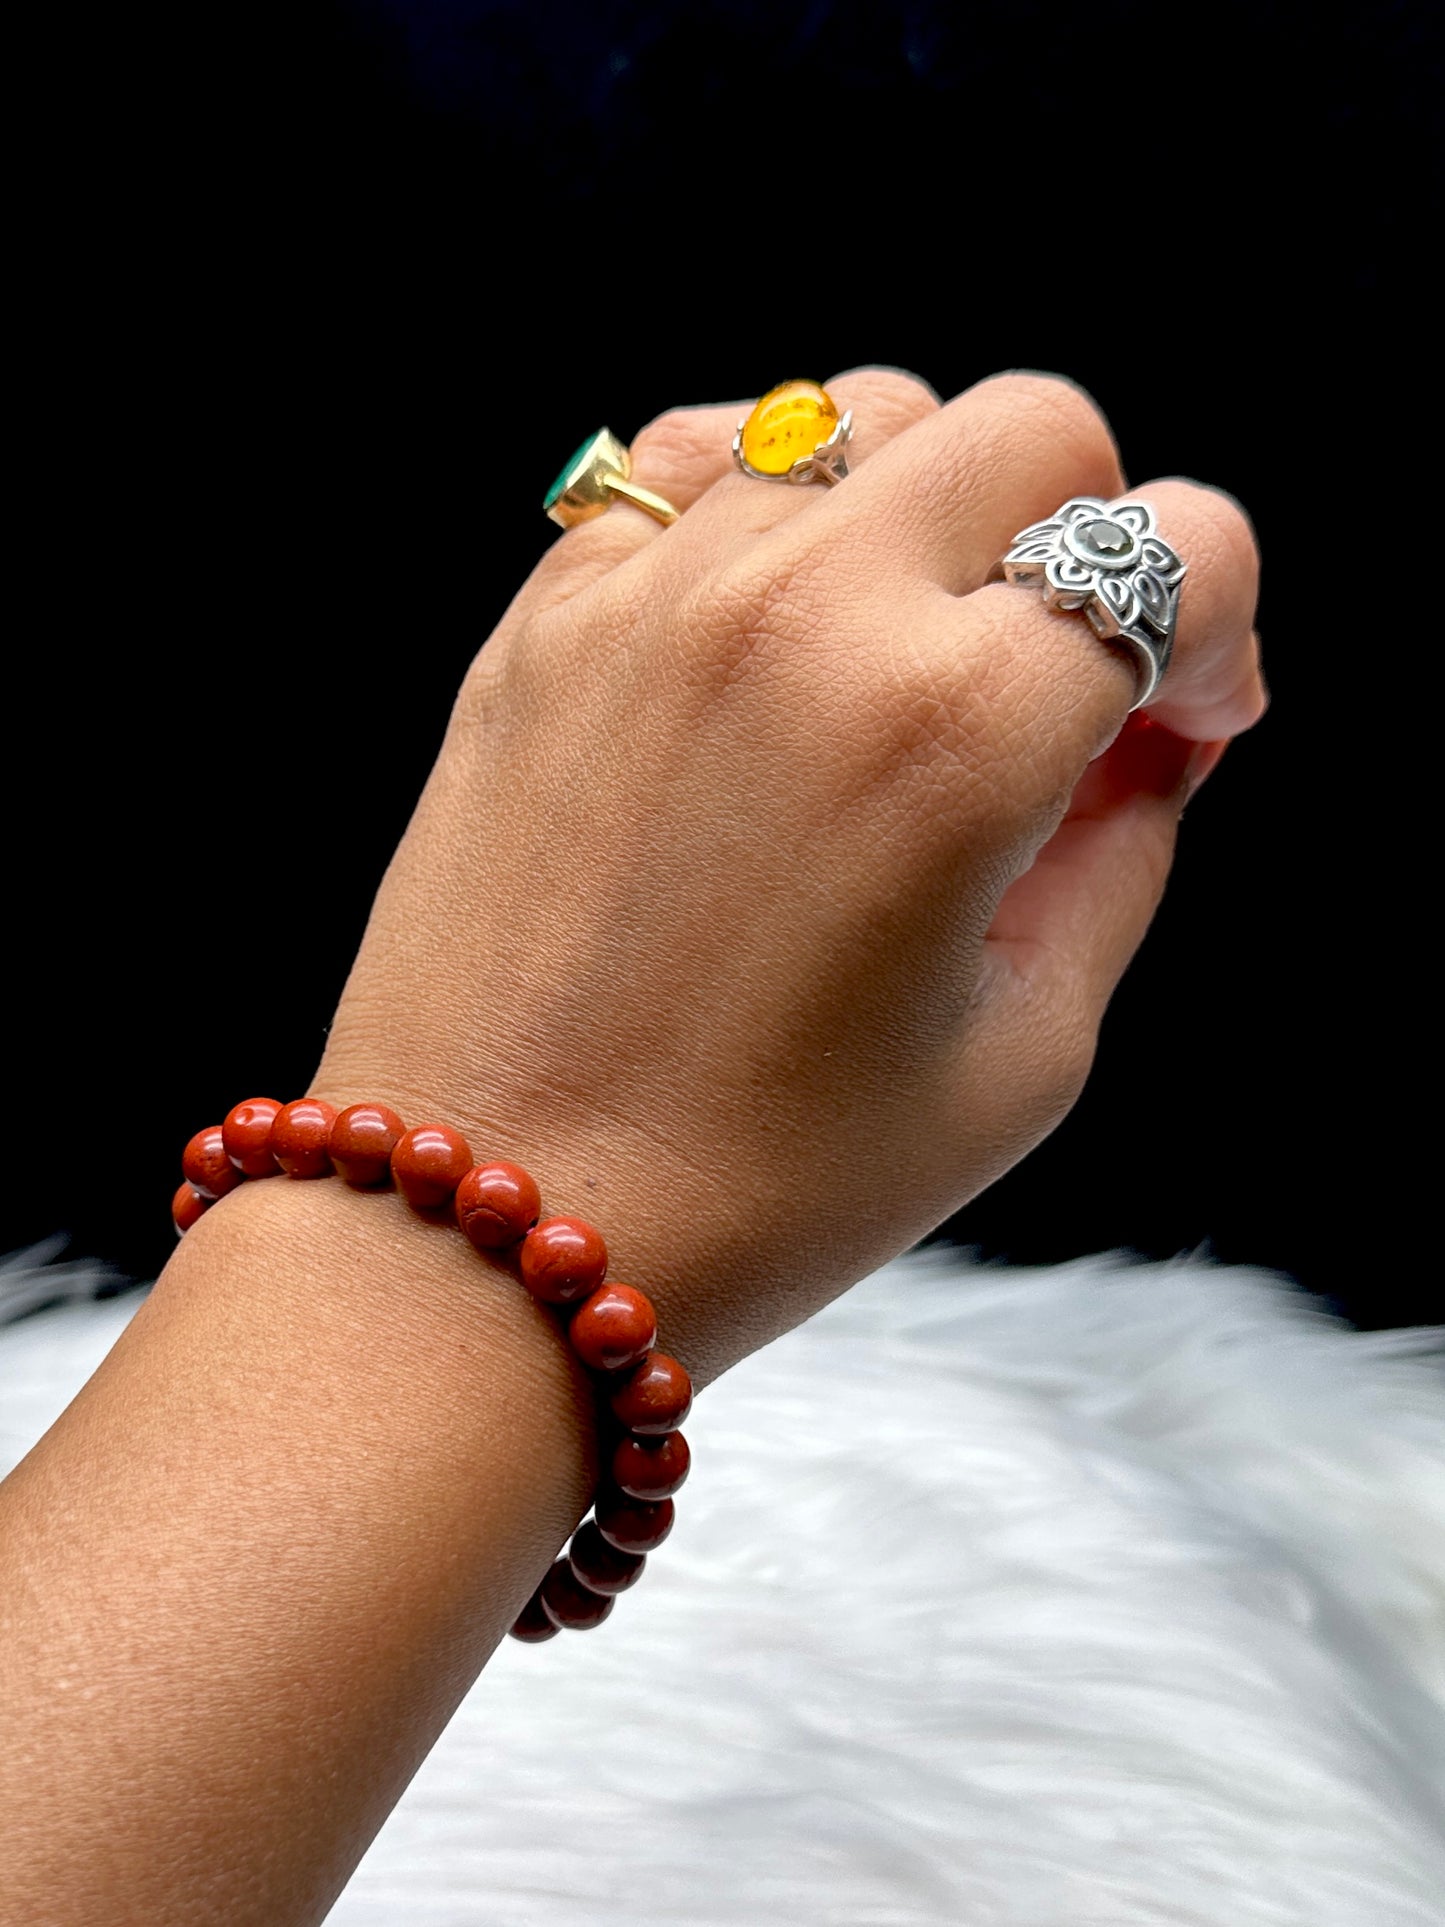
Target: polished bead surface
x,y
362,1141
187,1207
301,1137
787,425
205,1165
567,1602
563,1260
634,1525
648,1468
532,1623
656,1397
497,1205
429,1162
614,1328
247,1136
600,1566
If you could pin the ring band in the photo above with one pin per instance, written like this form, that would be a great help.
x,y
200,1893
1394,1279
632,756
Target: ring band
x,y
1113,566
794,434
600,471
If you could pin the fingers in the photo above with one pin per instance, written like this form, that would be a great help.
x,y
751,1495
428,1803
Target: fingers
x,y
685,453
1213,686
1079,913
1065,930
945,499
884,402
1071,690
678,456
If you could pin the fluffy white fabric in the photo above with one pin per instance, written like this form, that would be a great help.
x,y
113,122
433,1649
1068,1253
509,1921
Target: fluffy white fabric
x,y
1112,1593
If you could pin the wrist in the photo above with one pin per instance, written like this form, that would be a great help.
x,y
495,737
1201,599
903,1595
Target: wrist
x,y
397,1310
560,1260
673,1229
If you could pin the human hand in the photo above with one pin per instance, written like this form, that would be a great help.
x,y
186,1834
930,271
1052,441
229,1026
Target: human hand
x,y
777,867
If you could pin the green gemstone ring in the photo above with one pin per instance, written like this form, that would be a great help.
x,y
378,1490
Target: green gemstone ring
x,y
598,473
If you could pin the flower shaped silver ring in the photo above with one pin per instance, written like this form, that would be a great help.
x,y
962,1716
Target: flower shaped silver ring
x,y
1109,563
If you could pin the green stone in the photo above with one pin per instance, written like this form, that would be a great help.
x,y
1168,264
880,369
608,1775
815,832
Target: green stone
x,y
578,459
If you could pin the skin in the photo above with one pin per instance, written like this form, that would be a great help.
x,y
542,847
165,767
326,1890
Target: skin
x,y
764,900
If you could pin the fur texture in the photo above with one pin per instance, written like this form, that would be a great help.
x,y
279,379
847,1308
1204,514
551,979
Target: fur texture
x,y
1112,1593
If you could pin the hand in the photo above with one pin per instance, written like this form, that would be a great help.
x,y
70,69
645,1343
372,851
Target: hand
x,y
764,900
777,868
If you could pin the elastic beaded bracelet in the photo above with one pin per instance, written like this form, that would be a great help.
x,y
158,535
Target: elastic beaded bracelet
x,y
562,1261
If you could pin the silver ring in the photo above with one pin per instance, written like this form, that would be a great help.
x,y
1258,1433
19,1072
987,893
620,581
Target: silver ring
x,y
1110,563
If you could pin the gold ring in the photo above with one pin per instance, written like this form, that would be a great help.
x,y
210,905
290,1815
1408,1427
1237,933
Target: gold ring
x,y
794,434
600,470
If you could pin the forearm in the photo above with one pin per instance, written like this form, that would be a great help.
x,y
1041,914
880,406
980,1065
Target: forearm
x,y
247,1577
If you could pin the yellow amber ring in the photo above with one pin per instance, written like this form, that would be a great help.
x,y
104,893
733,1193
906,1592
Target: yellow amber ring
x,y
794,434
597,475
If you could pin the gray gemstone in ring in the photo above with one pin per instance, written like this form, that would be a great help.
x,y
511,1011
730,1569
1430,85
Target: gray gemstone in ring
x,y
1107,538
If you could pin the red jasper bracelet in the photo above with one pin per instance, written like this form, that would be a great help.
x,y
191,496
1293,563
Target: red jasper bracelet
x,y
561,1261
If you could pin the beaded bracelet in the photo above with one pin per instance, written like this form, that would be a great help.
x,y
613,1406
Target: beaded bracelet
x,y
561,1261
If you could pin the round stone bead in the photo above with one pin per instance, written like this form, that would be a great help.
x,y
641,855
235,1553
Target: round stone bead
x,y
429,1162
362,1141
205,1165
562,1260
633,1525
532,1623
615,1328
600,1566
651,1468
187,1207
497,1205
789,423
301,1137
246,1135
567,1602
657,1397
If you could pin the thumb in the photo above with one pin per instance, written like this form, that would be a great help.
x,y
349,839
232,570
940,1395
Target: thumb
x,y
1066,930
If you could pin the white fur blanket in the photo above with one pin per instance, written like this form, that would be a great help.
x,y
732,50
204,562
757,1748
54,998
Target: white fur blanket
x,y
1112,1593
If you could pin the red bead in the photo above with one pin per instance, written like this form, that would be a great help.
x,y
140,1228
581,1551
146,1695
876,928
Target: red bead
x,y
187,1206
563,1260
246,1134
567,1602
206,1165
651,1468
615,1328
633,1525
601,1567
532,1623
657,1397
362,1141
497,1204
429,1162
301,1137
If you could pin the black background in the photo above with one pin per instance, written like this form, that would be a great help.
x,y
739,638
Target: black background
x,y
315,303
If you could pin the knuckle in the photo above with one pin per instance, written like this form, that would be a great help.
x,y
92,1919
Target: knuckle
x,y
1230,532
673,444
891,398
1059,407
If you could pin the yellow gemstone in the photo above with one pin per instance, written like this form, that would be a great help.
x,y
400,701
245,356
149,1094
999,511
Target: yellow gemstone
x,y
787,425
